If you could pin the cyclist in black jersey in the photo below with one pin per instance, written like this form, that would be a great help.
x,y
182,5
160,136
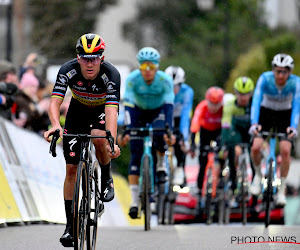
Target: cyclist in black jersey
x,y
95,87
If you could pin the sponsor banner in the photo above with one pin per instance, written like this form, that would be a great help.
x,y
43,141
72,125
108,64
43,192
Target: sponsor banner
x,y
9,211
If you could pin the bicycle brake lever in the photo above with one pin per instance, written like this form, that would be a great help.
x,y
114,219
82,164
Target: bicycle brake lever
x,y
111,141
53,143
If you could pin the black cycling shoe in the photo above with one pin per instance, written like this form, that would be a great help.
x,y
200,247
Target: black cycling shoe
x,y
161,177
133,212
107,190
66,239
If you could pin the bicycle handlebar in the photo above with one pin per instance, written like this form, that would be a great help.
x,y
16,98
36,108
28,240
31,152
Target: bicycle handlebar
x,y
108,136
147,129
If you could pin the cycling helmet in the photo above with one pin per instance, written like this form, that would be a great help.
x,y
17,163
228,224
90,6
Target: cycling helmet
x,y
177,73
90,45
243,85
283,60
214,95
148,54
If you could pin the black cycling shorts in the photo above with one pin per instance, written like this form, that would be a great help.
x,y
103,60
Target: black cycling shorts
x,y
80,119
278,120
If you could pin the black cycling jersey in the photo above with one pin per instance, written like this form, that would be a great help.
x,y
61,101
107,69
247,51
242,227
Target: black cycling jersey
x,y
89,99
103,90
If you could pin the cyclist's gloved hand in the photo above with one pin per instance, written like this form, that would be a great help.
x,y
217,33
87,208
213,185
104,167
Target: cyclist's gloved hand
x,y
170,141
254,129
292,132
123,140
223,153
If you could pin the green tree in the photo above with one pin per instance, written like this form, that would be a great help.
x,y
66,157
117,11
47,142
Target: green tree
x,y
57,24
205,44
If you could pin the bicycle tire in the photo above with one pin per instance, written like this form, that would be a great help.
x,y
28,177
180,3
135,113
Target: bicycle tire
x,y
160,203
221,207
169,206
146,192
269,193
208,200
94,199
80,203
171,196
244,193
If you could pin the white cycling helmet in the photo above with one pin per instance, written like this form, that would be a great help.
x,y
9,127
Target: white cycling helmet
x,y
283,60
177,74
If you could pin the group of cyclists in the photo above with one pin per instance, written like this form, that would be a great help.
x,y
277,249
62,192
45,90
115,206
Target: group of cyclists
x,y
157,97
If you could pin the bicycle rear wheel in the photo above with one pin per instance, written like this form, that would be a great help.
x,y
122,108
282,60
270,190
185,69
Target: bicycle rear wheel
x,y
80,206
95,207
146,192
269,193
244,193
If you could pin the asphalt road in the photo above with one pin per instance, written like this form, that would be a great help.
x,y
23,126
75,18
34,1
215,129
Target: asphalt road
x,y
191,236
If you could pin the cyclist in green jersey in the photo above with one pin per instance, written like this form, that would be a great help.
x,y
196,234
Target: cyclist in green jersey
x,y
236,123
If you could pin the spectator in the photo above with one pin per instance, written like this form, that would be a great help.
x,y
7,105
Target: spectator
x,y
28,112
30,63
8,88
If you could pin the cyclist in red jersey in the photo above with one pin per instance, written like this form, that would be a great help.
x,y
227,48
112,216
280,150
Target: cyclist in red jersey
x,y
95,87
207,119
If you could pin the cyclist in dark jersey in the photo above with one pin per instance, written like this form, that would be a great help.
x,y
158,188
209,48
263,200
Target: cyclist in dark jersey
x,y
95,87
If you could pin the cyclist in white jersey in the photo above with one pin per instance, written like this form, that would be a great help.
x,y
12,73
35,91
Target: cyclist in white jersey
x,y
275,105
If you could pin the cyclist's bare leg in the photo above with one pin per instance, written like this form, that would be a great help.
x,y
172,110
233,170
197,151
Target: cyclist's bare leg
x,y
256,150
107,188
100,146
238,152
256,159
285,152
69,181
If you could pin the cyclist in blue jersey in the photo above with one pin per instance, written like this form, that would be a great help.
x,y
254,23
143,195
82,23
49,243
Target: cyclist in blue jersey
x,y
183,105
148,98
275,105
95,87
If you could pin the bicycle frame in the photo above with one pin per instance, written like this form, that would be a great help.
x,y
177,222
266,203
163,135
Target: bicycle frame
x,y
211,164
147,152
271,155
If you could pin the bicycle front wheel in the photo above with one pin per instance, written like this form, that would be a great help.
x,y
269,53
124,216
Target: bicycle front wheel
x,y
269,193
208,200
244,193
95,206
80,207
146,192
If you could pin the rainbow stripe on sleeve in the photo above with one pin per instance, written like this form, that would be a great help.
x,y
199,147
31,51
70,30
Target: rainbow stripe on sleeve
x,y
112,104
58,95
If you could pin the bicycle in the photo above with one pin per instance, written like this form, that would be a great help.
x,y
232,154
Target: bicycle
x,y
86,204
225,195
270,185
210,182
146,178
243,184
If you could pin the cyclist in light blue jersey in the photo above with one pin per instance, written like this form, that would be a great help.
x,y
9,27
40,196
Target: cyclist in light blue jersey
x,y
148,98
183,105
275,105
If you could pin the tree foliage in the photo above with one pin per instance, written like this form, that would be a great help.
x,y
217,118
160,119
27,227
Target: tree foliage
x,y
206,44
57,24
